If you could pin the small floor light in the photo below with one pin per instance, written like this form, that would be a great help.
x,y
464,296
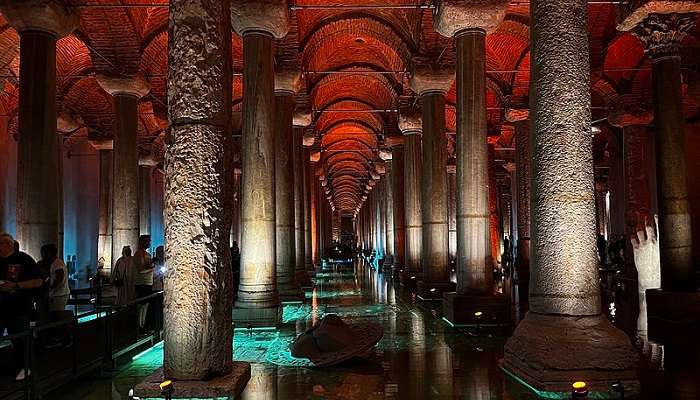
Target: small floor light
x,y
579,390
617,387
477,316
167,389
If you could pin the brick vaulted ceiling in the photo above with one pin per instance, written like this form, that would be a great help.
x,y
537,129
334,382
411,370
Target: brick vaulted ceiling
x,y
354,56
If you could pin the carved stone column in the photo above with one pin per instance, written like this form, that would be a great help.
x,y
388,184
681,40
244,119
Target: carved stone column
x,y
104,225
389,212
411,126
307,211
431,85
398,204
452,211
564,336
39,180
300,120
126,92
313,212
286,85
146,166
259,23
468,23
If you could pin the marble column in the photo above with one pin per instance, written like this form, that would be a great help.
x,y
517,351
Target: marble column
x,y
286,85
431,84
198,291
564,336
259,24
307,211
397,188
300,120
104,225
381,217
313,213
452,211
662,35
39,179
411,126
236,218
126,92
389,219
145,172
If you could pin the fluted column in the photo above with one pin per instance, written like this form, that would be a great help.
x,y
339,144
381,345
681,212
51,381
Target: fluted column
x,y
431,85
300,120
564,333
259,24
126,93
411,126
39,179
398,204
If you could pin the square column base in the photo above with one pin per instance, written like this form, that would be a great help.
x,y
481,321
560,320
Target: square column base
x,y
459,309
257,317
434,290
409,279
672,316
228,386
548,353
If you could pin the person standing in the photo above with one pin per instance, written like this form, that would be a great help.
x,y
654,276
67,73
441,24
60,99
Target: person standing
x,y
19,279
143,276
159,268
58,282
123,277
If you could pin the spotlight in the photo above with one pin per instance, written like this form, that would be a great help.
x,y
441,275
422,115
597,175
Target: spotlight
x,y
579,390
413,277
617,387
167,389
477,316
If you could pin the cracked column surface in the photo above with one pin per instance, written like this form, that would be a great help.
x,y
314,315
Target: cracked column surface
x,y
564,336
259,24
126,92
431,84
286,85
198,285
300,121
411,127
39,190
398,195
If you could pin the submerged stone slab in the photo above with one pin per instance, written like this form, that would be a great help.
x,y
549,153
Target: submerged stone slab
x,y
460,309
230,385
550,352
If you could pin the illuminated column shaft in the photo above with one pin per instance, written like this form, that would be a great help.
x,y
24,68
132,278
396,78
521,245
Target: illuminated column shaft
x,y
198,290
104,228
389,212
452,210
412,204
299,222
307,210
522,157
397,185
313,213
145,172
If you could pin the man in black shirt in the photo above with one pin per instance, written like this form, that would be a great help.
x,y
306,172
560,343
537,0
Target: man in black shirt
x,y
19,277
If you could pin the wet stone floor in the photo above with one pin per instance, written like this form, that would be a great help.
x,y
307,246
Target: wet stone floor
x,y
419,357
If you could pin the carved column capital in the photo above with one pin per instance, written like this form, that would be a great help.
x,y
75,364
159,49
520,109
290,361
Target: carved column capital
x,y
629,113
427,77
131,86
48,16
411,122
270,16
662,34
454,16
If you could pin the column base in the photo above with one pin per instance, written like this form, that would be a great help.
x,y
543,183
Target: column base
x,y
434,290
409,279
227,386
288,295
459,309
672,315
548,353
257,317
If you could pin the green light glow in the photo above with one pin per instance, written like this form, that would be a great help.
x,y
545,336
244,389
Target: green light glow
x,y
147,356
556,395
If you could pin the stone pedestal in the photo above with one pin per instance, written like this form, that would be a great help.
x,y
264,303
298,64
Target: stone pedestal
x,y
426,290
550,352
227,386
459,309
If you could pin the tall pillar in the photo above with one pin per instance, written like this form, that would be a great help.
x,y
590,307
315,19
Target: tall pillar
x,y
389,219
300,121
307,211
397,188
104,225
236,218
564,336
431,85
452,211
126,93
198,294
381,217
313,213
259,24
39,179
494,220
146,166
411,126
286,85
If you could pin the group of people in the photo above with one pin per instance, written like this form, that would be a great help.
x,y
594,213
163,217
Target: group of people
x,y
611,253
29,291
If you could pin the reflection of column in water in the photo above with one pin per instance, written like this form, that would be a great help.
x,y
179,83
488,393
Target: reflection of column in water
x,y
397,358
416,356
477,368
439,369
262,384
314,307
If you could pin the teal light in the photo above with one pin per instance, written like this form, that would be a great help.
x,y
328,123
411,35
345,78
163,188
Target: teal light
x,y
556,395
155,351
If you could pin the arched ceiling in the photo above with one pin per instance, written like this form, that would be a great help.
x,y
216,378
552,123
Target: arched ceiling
x,y
354,62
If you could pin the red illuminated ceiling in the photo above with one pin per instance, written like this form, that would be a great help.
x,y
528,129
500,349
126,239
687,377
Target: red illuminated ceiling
x,y
354,61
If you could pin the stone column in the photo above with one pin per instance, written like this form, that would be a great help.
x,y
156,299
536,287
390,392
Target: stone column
x,y
39,179
431,84
313,213
389,220
381,218
411,126
452,211
104,225
300,121
198,289
259,24
236,218
494,220
286,85
307,211
397,188
126,92
145,171
564,336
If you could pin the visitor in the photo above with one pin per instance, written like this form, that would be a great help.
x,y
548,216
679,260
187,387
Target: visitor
x,y
19,279
143,276
58,284
123,277
602,245
159,268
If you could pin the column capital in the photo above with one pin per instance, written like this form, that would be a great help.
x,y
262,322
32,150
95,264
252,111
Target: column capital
x,y
426,77
102,144
411,123
514,115
48,16
451,17
451,168
270,16
662,34
302,118
148,160
385,154
309,139
627,114
639,10
287,82
67,122
128,86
